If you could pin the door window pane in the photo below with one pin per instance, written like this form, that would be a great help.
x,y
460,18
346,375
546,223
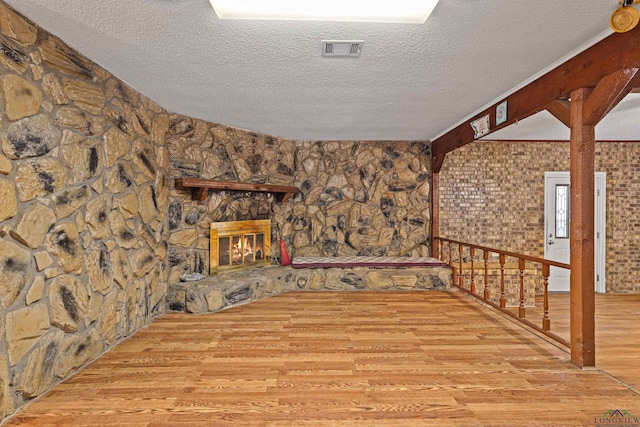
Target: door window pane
x,y
562,211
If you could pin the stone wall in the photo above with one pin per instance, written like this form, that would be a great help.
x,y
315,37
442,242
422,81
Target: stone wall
x,y
83,201
492,194
357,198
211,151
360,198
92,228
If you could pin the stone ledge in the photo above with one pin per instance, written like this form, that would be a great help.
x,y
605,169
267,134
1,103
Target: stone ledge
x,y
216,293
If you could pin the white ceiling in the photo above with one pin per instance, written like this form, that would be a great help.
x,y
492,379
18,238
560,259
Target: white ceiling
x,y
411,81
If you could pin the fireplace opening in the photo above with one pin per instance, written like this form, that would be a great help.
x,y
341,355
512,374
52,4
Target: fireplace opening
x,y
239,244
241,249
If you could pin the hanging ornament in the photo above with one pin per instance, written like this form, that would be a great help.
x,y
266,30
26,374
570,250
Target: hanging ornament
x,y
625,18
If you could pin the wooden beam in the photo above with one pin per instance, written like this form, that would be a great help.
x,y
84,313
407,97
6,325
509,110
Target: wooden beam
x,y
582,293
561,110
616,52
437,161
435,212
562,141
607,94
634,84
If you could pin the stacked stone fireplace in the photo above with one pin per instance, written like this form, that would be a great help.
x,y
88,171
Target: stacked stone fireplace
x,y
356,199
237,245
92,163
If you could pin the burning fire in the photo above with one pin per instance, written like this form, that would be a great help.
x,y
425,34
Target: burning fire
x,y
243,248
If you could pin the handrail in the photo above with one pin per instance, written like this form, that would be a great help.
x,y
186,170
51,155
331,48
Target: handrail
x,y
507,253
484,296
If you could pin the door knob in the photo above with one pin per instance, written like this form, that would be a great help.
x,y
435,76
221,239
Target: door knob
x,y
550,242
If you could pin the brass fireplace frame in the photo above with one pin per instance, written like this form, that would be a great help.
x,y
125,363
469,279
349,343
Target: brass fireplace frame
x,y
232,229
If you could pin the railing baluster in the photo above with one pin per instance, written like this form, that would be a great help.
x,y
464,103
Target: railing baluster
x,y
521,309
460,275
546,322
485,255
503,300
454,269
457,268
472,253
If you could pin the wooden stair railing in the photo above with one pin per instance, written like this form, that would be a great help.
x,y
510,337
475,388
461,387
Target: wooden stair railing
x,y
445,249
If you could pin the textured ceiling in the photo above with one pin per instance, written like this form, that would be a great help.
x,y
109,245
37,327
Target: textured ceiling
x,y
411,81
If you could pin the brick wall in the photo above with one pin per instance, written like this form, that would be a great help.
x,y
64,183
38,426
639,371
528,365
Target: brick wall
x,y
492,193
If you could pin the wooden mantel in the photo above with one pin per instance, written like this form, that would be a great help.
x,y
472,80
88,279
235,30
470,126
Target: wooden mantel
x,y
200,188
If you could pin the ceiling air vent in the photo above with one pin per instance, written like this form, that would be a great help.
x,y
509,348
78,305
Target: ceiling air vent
x,y
341,47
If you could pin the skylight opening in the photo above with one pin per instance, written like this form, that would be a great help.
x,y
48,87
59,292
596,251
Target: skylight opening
x,y
397,11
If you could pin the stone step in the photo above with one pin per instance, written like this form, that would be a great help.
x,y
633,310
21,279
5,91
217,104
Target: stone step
x,y
216,293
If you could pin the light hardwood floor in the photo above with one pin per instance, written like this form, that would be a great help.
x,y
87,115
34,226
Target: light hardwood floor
x,y
338,359
617,332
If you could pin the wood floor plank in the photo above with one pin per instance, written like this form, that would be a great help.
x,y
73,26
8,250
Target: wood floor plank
x,y
348,359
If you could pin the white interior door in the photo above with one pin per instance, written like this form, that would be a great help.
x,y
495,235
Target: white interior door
x,y
557,239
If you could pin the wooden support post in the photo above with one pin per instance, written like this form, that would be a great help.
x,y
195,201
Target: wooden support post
x,y
582,292
588,107
435,213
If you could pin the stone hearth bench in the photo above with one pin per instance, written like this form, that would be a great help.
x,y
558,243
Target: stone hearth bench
x,y
215,293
